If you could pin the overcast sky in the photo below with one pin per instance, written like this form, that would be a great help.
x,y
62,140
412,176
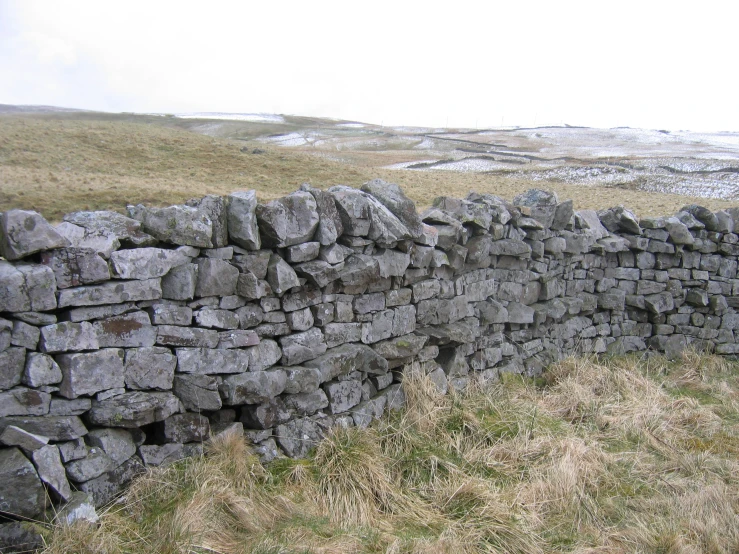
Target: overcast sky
x,y
662,65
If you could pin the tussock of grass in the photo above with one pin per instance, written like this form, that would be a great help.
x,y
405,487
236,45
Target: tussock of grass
x,y
617,455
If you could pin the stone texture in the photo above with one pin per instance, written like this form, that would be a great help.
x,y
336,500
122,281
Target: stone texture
x,y
51,471
342,395
26,232
253,387
211,361
183,428
149,368
146,263
197,392
111,293
289,220
26,287
242,219
21,491
20,401
73,267
280,276
215,278
132,330
12,363
170,335
118,444
15,436
105,488
300,347
394,199
103,228
88,373
134,409
181,225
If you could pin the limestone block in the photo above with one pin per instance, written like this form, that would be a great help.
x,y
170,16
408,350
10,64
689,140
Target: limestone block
x,y
300,347
26,232
20,401
149,368
105,488
131,330
266,354
253,387
111,293
15,436
208,361
118,444
181,225
348,358
73,267
172,335
237,339
288,221
21,491
220,319
301,379
242,219
26,287
134,409
197,392
342,395
299,436
400,347
280,276
12,362
215,278
88,373
181,428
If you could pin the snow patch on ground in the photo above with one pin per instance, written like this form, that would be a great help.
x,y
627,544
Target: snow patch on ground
x,y
255,117
352,125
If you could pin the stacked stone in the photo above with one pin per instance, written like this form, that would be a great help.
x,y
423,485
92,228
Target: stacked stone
x,y
125,342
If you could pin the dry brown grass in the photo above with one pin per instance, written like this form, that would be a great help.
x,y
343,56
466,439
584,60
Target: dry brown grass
x,y
56,165
613,456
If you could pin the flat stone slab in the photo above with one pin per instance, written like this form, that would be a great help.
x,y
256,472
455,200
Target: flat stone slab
x,y
111,293
132,330
253,387
23,233
21,491
55,428
91,372
146,263
207,361
134,409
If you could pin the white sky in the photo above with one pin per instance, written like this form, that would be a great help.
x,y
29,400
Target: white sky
x,y
653,64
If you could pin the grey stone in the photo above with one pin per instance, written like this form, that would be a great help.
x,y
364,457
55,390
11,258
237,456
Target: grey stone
x,y
88,373
197,392
266,354
36,318
307,403
24,335
332,253
250,316
214,208
380,328
183,225
363,215
146,263
400,347
186,428
149,368
12,362
15,436
76,266
367,303
220,319
358,270
520,313
205,361
237,339
394,199
288,221
68,336
280,276
94,464
301,379
103,227
111,293
348,358
215,278
118,444
453,362
340,333
620,219
130,330
302,252
104,489
134,409
704,215
97,312
679,233
73,407
21,491
180,282
251,288
26,287
342,395
329,227
171,335
318,272
659,303
300,320
254,262
464,211
253,387
167,314
269,414
510,247
51,471
100,242
20,536
26,232
79,507
299,436
300,347
55,428
20,401
242,219
166,454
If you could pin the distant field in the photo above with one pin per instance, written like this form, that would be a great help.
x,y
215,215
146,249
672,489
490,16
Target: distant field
x,y
58,163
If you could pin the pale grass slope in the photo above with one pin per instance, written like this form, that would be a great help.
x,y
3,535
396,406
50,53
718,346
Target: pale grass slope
x,y
608,457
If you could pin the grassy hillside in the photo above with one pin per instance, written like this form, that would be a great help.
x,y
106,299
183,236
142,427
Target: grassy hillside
x,y
625,455
57,163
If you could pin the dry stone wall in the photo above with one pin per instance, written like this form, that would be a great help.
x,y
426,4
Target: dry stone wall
x,y
127,341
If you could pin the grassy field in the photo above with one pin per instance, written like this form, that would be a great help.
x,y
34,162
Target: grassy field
x,y
622,455
58,163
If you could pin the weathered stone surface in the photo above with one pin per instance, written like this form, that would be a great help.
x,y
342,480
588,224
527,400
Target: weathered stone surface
x,y
171,335
237,339
215,278
318,272
342,395
380,328
88,373
620,219
26,287
55,428
520,313
401,347
280,276
253,387
105,226
79,507
183,225
329,227
266,354
340,333
73,267
72,407
300,347
146,263
186,428
266,415
214,208
464,211
20,401
21,491
26,232
300,320
347,358
197,392
118,444
149,368
100,242
211,361
289,220
509,247
111,293
180,282
220,319
659,303
167,314
104,489
15,436
302,252
299,436
364,215
307,403
242,219
24,335
68,336
301,379
131,330
12,362
394,199
679,233
51,471
134,409
155,455
20,536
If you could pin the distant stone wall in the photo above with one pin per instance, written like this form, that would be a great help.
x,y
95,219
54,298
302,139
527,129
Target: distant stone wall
x,y
127,341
